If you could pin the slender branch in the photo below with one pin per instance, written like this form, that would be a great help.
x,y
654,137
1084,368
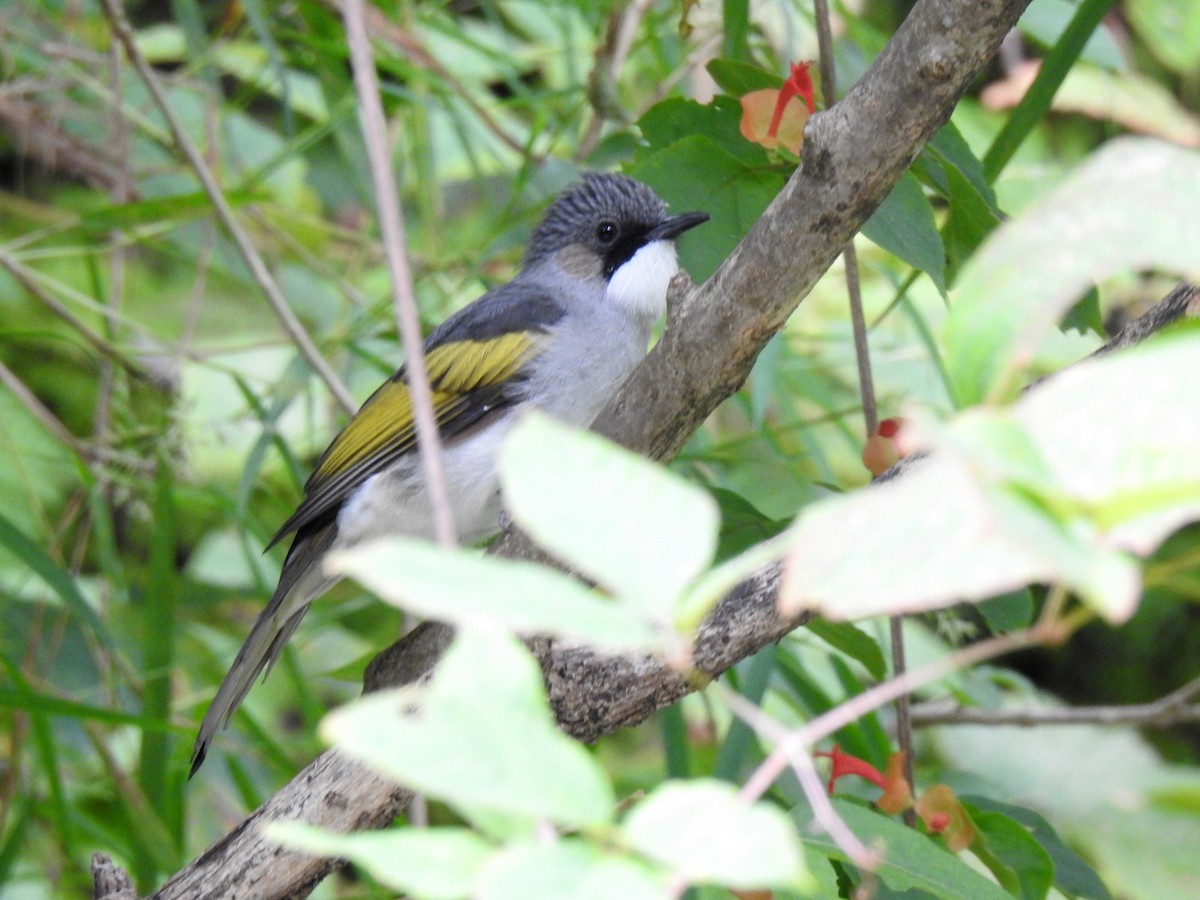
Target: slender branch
x,y
249,253
391,224
870,700
801,762
1176,708
866,388
413,50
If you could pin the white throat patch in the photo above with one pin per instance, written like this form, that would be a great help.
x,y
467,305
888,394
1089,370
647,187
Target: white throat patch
x,y
640,285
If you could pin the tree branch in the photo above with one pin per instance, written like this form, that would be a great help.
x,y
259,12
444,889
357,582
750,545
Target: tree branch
x,y
1176,708
854,154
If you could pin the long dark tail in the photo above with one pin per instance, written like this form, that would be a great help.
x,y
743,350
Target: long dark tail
x,y
299,584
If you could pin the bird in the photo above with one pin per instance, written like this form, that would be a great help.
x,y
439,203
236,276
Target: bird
x,y
561,337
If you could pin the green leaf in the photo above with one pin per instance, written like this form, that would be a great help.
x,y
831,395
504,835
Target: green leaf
x,y
674,119
45,704
1005,846
57,578
1171,29
1053,70
1009,611
853,641
1139,475
622,520
430,863
1004,307
740,746
1072,875
951,150
737,78
911,861
1085,315
732,192
742,524
970,222
1044,22
159,614
481,736
904,226
977,540
703,830
460,586
566,868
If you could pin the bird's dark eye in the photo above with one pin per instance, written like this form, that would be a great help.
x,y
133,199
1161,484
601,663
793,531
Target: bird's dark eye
x,y
606,232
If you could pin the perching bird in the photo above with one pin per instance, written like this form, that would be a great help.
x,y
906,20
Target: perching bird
x,y
561,336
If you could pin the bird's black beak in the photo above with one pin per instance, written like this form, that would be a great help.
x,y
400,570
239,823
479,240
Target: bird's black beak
x,y
675,226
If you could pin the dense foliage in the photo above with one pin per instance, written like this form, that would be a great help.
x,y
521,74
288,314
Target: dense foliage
x,y
158,421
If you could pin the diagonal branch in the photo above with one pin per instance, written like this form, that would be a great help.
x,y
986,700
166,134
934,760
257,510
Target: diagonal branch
x,y
854,153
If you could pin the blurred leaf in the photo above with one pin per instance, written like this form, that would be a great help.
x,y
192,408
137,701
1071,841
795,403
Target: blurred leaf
x,y
481,736
462,587
1044,22
1012,854
1072,875
427,862
1128,99
1004,307
853,641
863,738
703,830
735,21
1009,611
951,151
970,222
159,615
737,78
621,520
56,577
1085,315
565,868
32,701
911,861
742,524
1171,28
1036,101
904,226
740,745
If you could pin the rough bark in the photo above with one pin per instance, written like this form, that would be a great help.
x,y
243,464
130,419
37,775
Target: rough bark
x,y
854,154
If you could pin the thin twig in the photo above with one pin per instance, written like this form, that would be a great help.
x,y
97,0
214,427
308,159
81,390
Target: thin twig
x,y
870,700
391,224
827,817
250,255
622,25
28,279
1175,708
866,389
416,53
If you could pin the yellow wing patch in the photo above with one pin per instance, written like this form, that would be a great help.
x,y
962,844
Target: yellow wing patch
x,y
386,419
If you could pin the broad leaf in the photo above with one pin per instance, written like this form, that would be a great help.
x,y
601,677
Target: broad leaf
x,y
703,830
480,736
911,861
463,587
566,868
424,862
621,520
904,226
1004,307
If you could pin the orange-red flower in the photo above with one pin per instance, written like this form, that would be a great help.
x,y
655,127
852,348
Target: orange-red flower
x,y
775,118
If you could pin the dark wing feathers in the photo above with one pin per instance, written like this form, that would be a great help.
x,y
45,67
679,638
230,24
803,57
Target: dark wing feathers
x,y
473,359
